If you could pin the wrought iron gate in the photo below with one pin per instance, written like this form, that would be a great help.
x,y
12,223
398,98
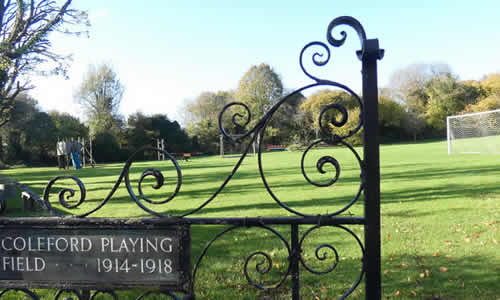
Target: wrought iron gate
x,y
178,226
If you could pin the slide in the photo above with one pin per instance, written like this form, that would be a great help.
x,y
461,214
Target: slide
x,y
75,158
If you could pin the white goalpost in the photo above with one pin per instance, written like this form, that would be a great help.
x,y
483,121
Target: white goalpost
x,y
474,133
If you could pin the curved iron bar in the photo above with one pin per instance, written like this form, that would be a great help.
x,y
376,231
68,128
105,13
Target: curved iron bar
x,y
165,293
343,111
26,291
349,21
60,292
159,182
259,128
109,292
160,179
63,193
235,122
329,159
226,181
332,248
259,269
316,57
124,174
332,140
23,188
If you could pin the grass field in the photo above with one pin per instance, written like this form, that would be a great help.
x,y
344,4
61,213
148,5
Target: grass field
x,y
440,219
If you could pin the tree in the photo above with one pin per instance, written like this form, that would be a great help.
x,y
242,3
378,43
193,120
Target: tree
x,y
100,94
40,137
414,124
446,98
207,105
30,135
486,92
144,129
203,118
409,84
139,132
23,110
25,47
390,116
259,88
303,132
67,126
317,101
491,84
176,138
491,102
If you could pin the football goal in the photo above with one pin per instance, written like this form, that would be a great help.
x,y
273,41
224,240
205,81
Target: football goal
x,y
474,133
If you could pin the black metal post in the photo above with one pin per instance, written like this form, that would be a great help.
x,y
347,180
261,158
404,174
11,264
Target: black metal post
x,y
295,262
371,178
85,294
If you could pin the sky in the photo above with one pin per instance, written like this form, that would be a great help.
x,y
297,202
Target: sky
x,y
167,52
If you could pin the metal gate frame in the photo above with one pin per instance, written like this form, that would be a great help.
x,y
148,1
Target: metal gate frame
x,y
369,181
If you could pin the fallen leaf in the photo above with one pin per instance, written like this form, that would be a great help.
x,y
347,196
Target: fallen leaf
x,y
494,242
386,271
397,293
422,275
467,240
390,258
448,256
413,293
388,236
404,265
443,269
435,254
427,273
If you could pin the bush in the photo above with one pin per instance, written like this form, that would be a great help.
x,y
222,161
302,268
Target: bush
x,y
106,148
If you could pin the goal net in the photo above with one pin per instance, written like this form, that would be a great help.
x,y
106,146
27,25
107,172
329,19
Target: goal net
x,y
474,133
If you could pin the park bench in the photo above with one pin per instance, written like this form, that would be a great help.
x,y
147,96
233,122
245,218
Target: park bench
x,y
276,147
182,156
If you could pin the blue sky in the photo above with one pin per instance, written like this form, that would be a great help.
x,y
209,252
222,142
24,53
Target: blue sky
x,y
166,52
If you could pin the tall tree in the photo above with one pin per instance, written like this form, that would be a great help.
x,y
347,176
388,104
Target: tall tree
x,y
207,105
67,126
203,118
259,88
491,83
315,103
100,93
25,47
390,116
30,135
409,84
446,97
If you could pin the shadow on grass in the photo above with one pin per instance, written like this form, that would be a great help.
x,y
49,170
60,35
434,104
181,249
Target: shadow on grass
x,y
430,277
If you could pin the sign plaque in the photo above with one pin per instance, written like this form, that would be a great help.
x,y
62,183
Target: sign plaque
x,y
96,255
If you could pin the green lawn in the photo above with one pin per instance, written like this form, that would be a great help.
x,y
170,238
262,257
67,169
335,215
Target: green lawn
x,y
440,219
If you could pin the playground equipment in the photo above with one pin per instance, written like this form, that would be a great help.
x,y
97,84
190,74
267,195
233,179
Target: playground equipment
x,y
160,144
78,151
